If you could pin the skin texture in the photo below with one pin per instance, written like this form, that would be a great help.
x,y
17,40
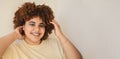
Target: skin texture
x,y
70,50
34,23
34,30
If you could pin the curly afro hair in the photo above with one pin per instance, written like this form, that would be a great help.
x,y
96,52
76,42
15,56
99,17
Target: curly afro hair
x,y
29,10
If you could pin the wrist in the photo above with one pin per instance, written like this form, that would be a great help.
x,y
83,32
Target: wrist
x,y
15,35
59,34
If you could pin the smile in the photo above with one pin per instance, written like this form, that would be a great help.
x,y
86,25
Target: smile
x,y
35,34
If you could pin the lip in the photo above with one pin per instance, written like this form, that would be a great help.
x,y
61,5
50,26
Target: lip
x,y
35,34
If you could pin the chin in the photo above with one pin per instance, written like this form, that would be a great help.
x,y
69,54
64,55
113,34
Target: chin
x,y
35,40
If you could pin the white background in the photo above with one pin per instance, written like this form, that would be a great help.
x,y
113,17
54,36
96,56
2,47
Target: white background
x,y
92,25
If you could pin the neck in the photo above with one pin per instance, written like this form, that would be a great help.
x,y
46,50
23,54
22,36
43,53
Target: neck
x,y
32,43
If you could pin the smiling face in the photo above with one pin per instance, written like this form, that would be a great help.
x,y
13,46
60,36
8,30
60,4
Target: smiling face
x,y
34,30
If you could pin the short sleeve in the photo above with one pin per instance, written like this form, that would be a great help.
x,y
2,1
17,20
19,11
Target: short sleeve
x,y
58,46
8,54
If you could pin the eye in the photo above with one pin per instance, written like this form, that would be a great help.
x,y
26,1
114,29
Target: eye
x,y
42,25
31,24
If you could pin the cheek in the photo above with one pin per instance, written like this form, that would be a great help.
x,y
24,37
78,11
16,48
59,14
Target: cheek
x,y
43,30
27,30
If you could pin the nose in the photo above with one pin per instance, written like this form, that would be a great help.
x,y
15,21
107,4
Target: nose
x,y
37,29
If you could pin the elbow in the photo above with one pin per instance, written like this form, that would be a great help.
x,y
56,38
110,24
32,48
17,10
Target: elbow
x,y
81,57
0,57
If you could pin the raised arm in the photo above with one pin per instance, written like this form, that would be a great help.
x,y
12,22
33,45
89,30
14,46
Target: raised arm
x,y
70,50
6,40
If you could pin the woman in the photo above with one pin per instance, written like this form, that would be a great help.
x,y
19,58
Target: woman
x,y
30,39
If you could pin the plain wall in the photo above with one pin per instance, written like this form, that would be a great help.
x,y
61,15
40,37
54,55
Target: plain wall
x,y
92,25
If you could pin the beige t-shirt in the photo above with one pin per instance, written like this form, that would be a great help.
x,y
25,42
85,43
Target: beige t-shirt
x,y
48,49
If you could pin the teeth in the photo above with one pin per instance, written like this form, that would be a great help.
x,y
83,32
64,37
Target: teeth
x,y
36,34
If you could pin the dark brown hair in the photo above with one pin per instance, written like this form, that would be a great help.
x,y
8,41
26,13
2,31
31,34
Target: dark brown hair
x,y
29,10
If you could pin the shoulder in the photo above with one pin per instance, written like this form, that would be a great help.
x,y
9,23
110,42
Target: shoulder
x,y
17,42
9,52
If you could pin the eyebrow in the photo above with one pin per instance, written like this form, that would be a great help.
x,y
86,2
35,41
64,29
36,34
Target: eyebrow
x,y
31,22
35,22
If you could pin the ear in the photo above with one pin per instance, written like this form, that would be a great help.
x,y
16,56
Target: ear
x,y
23,27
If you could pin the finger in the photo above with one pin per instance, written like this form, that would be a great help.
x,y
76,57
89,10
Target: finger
x,y
19,31
54,22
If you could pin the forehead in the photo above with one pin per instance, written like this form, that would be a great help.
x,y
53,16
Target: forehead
x,y
36,19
